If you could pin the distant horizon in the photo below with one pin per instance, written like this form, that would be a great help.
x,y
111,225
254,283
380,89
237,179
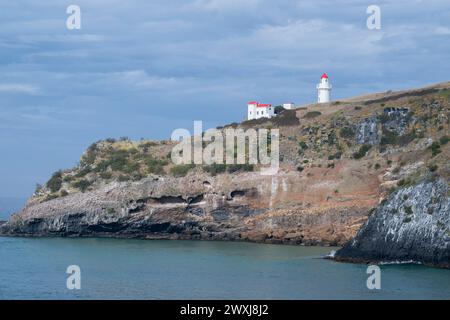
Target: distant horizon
x,y
143,69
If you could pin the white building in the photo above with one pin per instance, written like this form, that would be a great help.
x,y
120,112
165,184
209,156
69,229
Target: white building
x,y
324,89
260,110
289,106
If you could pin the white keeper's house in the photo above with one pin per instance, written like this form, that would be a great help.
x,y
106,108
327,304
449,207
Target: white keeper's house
x,y
258,110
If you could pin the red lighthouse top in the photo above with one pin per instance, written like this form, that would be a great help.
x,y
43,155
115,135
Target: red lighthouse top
x,y
324,76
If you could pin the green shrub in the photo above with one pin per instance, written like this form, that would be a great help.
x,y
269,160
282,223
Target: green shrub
x,y
181,170
408,210
312,114
106,175
55,182
51,196
337,155
444,140
215,168
83,172
300,168
118,160
82,184
63,193
90,155
433,167
405,182
123,178
362,151
102,166
136,176
445,93
347,132
388,137
131,168
435,148
303,145
377,166
239,167
38,188
156,166
278,109
67,178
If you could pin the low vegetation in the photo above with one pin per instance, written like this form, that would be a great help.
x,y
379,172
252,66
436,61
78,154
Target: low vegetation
x,y
362,151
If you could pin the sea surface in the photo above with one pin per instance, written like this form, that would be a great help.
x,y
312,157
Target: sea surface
x,y
35,268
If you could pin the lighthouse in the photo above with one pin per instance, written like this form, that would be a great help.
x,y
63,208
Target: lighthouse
x,y
324,89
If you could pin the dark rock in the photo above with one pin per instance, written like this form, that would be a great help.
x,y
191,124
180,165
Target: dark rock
x,y
396,120
367,131
412,225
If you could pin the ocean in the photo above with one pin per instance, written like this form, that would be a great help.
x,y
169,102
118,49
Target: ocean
x,y
35,268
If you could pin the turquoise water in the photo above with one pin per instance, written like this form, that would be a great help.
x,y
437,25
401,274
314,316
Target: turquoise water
x,y
139,269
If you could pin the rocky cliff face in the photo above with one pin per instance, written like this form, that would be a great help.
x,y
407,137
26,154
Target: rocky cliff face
x,y
413,224
245,206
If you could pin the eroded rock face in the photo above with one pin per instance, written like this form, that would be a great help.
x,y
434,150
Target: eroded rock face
x,y
413,224
367,131
245,206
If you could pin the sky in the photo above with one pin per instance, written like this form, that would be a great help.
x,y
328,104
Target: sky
x,y
144,68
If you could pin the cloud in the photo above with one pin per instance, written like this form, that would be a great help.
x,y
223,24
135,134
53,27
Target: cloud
x,y
223,5
136,63
442,31
18,88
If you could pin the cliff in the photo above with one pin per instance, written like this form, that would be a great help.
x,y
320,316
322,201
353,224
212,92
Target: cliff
x,y
338,162
412,225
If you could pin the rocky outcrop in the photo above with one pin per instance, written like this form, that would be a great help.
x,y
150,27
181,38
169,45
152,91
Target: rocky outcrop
x,y
367,131
244,206
396,120
413,224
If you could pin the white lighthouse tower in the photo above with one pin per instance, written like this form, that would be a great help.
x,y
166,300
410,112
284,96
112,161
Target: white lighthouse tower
x,y
324,89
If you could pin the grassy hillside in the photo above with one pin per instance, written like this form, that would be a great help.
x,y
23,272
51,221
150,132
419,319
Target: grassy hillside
x,y
399,136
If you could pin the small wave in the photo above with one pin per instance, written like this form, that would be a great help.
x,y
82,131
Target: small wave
x,y
397,262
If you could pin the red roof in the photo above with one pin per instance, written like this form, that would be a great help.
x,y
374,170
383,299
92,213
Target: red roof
x,y
324,76
260,105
